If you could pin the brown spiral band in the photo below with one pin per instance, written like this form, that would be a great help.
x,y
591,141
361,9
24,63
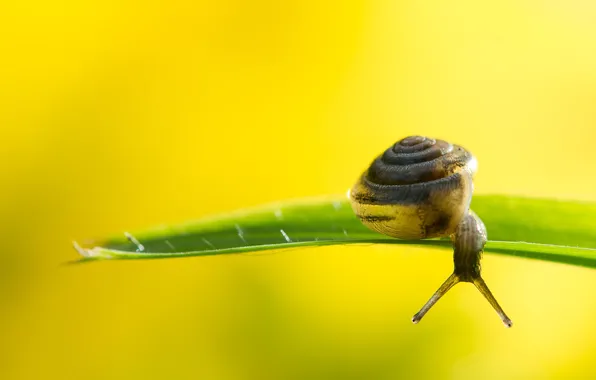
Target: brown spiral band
x,y
417,159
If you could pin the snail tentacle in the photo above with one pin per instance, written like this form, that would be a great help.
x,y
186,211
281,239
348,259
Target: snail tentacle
x,y
448,284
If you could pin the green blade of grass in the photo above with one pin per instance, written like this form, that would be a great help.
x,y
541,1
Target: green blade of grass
x,y
560,231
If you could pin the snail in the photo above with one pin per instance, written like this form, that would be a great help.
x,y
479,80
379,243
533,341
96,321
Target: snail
x,y
422,188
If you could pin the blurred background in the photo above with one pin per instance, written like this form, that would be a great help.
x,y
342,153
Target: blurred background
x,y
122,115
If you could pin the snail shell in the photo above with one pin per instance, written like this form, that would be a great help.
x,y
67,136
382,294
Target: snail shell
x,y
418,188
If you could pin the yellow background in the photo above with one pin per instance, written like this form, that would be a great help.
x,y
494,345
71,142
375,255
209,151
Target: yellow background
x,y
122,115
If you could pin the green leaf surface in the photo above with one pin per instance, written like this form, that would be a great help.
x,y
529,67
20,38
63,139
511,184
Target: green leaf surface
x,y
551,230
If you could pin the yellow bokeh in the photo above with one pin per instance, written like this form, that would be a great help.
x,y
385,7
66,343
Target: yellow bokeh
x,y
122,115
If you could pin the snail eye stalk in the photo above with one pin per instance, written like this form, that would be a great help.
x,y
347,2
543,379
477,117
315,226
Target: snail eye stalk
x,y
452,281
448,284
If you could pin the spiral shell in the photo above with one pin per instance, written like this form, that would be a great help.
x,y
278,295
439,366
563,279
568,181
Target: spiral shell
x,y
418,188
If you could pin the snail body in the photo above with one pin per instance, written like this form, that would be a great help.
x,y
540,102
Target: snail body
x,y
422,188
